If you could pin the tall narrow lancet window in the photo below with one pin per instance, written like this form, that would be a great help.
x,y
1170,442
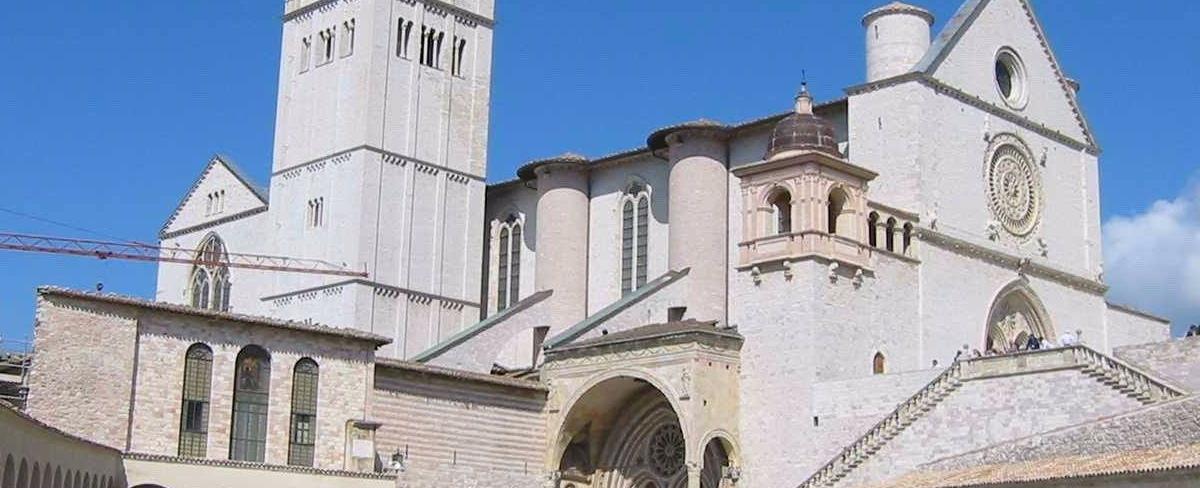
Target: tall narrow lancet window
x,y
201,287
873,229
502,268
908,235
514,265
508,266
209,283
302,441
348,28
251,387
635,237
197,389
403,34
305,53
891,234
879,364
781,207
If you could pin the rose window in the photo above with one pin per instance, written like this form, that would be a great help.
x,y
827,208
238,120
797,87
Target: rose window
x,y
1014,188
667,450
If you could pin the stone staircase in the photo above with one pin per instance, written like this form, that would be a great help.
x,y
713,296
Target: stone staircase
x,y
1112,372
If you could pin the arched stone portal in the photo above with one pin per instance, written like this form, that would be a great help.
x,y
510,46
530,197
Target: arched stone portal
x,y
623,432
654,406
1016,313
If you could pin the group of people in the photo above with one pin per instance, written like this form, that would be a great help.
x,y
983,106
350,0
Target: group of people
x,y
1194,330
1033,343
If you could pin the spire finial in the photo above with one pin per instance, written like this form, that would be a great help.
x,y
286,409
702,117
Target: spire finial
x,y
804,103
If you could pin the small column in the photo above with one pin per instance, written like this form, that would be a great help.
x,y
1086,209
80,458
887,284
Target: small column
x,y
693,474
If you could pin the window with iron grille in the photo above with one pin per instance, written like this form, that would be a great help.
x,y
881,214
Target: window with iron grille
x,y
302,442
251,386
197,384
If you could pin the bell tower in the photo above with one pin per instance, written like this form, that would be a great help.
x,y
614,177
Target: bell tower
x,y
380,159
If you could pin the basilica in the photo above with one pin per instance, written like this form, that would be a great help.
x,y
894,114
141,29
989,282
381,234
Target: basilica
x,y
900,287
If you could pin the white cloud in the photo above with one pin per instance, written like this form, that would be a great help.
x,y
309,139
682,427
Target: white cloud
x,y
1152,259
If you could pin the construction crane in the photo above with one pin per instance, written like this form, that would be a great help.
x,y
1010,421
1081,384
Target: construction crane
x,y
136,251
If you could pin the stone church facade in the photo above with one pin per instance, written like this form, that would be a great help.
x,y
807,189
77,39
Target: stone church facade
x,y
840,294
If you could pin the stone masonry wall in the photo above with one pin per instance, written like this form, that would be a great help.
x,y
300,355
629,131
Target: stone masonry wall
x,y
473,433
1126,328
345,369
845,410
984,412
83,369
1176,361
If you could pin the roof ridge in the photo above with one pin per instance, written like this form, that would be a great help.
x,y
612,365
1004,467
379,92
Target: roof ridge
x,y
260,192
311,327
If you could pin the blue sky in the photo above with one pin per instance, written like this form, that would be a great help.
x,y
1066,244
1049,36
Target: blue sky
x,y
108,110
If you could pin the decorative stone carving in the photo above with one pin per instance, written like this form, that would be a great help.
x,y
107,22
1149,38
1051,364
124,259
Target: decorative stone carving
x,y
667,450
756,275
555,401
1043,247
992,230
1014,186
858,278
685,385
552,479
833,276
787,270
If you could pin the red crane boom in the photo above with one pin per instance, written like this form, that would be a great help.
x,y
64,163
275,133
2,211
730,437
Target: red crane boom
x,y
136,251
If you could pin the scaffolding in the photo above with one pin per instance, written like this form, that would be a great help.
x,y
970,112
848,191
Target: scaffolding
x,y
15,359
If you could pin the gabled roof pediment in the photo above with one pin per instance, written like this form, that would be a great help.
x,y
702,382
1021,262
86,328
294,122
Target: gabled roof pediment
x,y
240,195
964,55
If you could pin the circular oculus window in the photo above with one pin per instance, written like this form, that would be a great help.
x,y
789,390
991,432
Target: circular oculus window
x,y
667,450
1010,78
1014,187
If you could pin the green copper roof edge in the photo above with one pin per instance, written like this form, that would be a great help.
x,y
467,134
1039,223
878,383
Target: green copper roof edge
x,y
616,307
483,325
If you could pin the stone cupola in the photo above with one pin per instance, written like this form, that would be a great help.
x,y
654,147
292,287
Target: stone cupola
x,y
804,200
802,131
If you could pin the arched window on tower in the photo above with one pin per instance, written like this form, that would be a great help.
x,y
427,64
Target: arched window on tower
x,y
251,387
302,441
508,266
781,209
891,234
635,234
197,384
209,284
837,210
873,229
908,235
879,364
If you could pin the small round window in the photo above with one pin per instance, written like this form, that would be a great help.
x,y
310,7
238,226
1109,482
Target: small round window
x,y
1010,78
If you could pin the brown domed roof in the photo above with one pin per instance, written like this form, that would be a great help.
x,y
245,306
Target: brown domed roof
x,y
529,170
803,131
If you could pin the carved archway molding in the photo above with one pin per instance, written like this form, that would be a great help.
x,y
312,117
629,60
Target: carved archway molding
x,y
618,400
1015,310
560,444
